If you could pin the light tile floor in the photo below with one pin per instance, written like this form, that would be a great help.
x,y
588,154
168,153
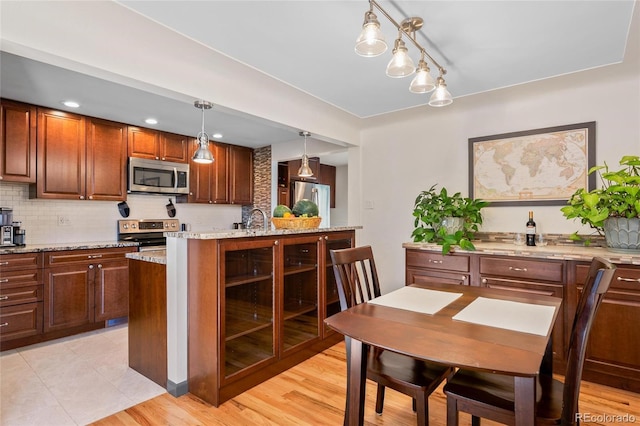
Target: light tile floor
x,y
71,381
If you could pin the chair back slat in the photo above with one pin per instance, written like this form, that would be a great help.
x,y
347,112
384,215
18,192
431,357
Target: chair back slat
x,y
598,280
356,275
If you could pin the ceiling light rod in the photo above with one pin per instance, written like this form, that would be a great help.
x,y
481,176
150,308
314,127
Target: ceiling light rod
x,y
409,24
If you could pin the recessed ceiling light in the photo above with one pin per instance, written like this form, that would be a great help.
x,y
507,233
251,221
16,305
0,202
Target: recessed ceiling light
x,y
151,121
217,135
71,104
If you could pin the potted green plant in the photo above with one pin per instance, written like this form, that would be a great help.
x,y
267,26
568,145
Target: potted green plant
x,y
447,220
613,209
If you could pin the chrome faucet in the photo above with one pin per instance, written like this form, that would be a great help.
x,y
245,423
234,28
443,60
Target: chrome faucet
x,y
265,221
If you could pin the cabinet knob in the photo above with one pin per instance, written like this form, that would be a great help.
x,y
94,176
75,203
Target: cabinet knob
x,y
157,158
99,266
210,202
82,197
163,159
484,281
90,266
276,242
91,197
326,237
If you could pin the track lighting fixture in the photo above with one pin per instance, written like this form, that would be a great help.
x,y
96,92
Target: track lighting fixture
x,y
305,170
202,154
371,43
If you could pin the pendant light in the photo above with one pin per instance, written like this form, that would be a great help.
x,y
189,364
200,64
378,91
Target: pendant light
x,y
401,64
423,81
441,96
371,41
305,170
202,154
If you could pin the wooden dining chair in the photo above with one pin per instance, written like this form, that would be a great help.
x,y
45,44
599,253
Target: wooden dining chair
x,y
357,281
491,396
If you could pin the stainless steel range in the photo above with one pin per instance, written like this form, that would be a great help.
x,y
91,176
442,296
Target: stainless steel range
x,y
147,232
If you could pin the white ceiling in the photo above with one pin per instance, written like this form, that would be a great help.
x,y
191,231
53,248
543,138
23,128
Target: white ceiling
x,y
484,45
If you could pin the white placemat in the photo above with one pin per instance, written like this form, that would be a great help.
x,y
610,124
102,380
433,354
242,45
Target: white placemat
x,y
416,299
517,316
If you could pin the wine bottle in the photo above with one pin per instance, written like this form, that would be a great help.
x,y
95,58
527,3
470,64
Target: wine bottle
x,y
531,231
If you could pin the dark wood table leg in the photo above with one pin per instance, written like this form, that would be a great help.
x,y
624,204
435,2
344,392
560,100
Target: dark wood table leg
x,y
356,379
525,401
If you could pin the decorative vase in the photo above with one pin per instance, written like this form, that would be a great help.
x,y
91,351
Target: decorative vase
x,y
452,224
622,234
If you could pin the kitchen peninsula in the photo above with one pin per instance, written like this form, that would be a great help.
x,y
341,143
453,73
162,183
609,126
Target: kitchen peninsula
x,y
241,305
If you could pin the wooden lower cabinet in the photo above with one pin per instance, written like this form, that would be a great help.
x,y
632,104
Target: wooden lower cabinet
x,y
613,357
263,314
426,267
21,295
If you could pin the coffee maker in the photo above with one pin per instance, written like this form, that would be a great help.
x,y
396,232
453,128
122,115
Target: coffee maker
x,y
6,226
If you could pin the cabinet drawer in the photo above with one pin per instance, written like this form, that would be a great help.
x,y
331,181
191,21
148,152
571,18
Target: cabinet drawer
x,y
535,270
432,260
417,276
75,256
12,262
625,278
21,321
20,278
25,294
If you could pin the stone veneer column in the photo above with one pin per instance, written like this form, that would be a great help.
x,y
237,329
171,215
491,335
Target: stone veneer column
x,y
261,185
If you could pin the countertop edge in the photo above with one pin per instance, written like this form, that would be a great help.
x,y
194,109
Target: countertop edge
x,y
251,233
35,248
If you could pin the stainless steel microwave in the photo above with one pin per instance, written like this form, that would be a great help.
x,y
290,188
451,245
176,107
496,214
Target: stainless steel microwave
x,y
158,177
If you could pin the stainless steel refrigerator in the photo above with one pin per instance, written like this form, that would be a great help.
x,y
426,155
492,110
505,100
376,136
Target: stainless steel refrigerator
x,y
316,192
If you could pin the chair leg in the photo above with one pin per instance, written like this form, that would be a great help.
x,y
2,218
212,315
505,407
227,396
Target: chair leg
x,y
379,399
452,411
422,409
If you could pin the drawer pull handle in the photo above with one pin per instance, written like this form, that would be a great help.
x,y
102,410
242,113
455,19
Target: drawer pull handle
x,y
4,280
439,262
4,263
94,256
4,324
629,280
513,268
4,297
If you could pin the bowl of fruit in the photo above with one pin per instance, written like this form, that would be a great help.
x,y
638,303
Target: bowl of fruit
x,y
303,215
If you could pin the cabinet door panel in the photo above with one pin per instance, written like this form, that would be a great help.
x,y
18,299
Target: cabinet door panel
x,y
17,142
106,160
61,155
220,177
241,170
20,321
143,143
112,290
174,148
434,276
68,297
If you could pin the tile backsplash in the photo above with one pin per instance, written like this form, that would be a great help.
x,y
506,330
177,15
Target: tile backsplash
x,y
64,221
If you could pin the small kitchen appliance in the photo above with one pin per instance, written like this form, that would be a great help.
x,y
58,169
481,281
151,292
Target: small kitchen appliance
x,y
158,177
6,226
149,233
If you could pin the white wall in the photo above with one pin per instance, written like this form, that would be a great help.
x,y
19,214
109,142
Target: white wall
x,y
97,220
407,152
339,214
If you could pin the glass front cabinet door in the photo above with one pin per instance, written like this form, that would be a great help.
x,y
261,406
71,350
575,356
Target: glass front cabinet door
x,y
300,284
248,279
333,241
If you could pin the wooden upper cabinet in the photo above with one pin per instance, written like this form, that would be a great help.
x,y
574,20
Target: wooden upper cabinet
x,y
61,155
241,174
174,148
208,182
155,145
143,143
106,172
17,142
327,176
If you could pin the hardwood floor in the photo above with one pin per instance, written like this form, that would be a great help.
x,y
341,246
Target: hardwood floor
x,y
313,393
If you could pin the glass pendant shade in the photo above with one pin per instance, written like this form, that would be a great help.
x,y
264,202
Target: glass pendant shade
x,y
401,64
441,96
305,170
371,41
423,81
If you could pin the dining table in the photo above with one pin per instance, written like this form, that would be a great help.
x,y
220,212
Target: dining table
x,y
477,328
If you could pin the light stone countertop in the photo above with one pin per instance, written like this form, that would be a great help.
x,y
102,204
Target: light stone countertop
x,y
555,252
250,233
153,256
33,248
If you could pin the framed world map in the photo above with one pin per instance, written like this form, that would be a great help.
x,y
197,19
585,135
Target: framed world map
x,y
534,167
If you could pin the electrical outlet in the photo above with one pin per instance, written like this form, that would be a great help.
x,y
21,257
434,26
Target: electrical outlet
x,y
64,221
368,204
